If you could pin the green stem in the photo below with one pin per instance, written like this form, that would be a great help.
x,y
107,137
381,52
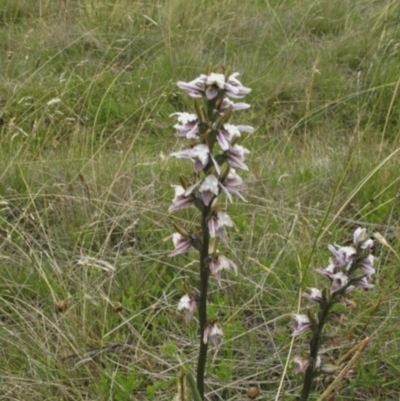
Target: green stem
x,y
193,386
204,274
314,347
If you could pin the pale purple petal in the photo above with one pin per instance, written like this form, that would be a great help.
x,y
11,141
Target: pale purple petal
x,y
314,295
194,88
188,305
209,188
361,239
216,79
226,134
199,154
223,139
220,262
234,88
339,281
344,254
301,324
211,92
188,126
181,243
301,364
363,283
214,333
245,128
217,223
235,156
231,181
184,117
227,103
213,226
181,200
367,265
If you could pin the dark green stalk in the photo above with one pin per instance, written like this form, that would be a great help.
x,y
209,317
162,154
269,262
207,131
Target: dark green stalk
x,y
202,306
314,347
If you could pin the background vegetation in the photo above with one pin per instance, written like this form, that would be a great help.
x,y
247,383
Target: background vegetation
x,y
87,293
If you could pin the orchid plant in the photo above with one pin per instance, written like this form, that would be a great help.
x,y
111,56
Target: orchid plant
x,y
350,267
216,154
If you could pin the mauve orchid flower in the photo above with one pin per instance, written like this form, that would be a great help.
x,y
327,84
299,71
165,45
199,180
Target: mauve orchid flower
x,y
217,222
182,244
220,262
301,324
364,282
215,82
227,103
235,156
234,88
314,295
214,333
194,88
361,239
228,132
339,281
187,304
366,265
188,125
229,184
200,155
209,188
182,200
344,254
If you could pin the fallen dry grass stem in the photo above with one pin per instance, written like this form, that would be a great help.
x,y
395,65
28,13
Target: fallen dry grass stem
x,y
358,349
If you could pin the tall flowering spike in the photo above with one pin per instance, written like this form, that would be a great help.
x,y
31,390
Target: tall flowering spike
x,y
350,267
215,153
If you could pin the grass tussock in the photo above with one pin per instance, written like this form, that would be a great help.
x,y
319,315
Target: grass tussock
x,y
88,295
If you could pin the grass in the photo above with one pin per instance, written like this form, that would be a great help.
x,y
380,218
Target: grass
x,y
87,90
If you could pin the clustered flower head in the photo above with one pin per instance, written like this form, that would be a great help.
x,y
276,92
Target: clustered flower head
x,y
351,266
216,155
348,268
